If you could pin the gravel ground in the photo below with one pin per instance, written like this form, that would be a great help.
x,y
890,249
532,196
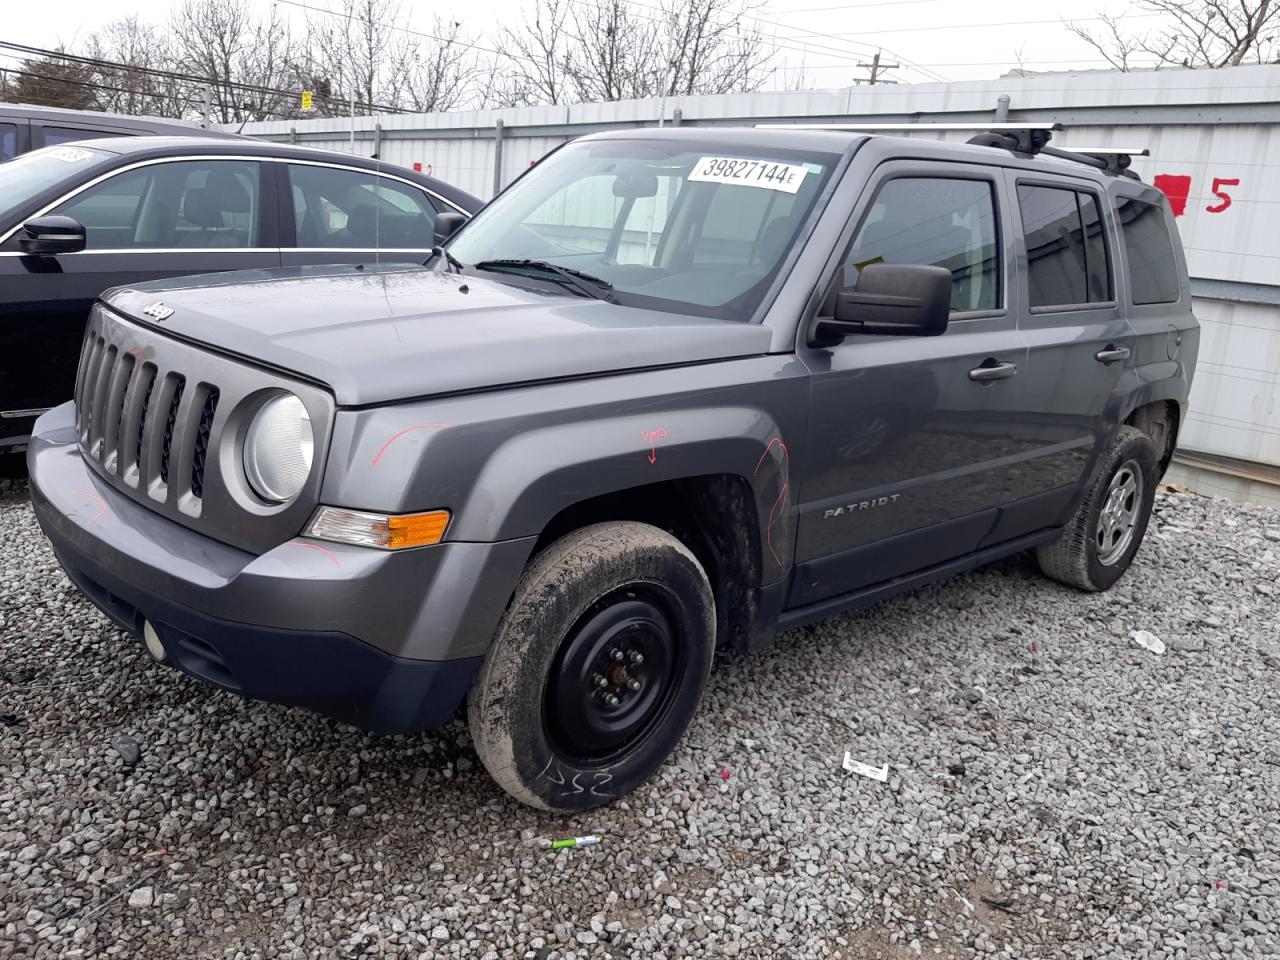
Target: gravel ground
x,y
1054,790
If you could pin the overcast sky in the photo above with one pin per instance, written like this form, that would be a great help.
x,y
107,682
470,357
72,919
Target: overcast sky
x,y
954,39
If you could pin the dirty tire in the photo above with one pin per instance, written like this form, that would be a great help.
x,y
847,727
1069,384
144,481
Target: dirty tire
x,y
1074,558
516,708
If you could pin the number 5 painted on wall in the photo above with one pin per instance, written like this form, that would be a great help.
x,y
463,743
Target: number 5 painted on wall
x,y
1218,183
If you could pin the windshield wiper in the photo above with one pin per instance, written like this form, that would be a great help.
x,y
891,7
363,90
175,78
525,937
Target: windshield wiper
x,y
447,259
584,283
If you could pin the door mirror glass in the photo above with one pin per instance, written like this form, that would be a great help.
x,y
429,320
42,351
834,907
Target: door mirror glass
x,y
902,300
51,235
447,224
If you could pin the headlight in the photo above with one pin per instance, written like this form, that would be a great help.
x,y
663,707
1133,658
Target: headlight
x,y
278,449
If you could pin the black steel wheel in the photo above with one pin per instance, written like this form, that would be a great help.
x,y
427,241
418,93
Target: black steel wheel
x,y
597,669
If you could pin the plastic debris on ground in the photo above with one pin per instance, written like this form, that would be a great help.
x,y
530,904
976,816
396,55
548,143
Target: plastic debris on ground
x,y
564,844
865,770
1147,640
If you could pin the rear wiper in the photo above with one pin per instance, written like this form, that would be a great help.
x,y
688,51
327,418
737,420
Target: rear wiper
x,y
584,283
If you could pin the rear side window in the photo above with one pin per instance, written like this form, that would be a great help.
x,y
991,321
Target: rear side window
x,y
352,209
938,222
8,141
56,135
1148,247
1067,258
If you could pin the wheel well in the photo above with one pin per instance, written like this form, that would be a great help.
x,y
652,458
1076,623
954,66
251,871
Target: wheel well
x,y
1160,422
714,516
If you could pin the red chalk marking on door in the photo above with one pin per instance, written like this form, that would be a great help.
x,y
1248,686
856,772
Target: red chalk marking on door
x,y
775,442
651,437
396,436
782,495
315,546
102,505
1177,187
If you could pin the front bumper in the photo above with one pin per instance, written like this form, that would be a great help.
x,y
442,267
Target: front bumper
x,y
387,641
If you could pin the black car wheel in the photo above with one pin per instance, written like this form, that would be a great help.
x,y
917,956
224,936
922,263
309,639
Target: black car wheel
x,y
598,666
1100,540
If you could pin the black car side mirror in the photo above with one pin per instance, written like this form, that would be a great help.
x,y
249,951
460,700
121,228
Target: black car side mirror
x,y
902,300
49,236
447,224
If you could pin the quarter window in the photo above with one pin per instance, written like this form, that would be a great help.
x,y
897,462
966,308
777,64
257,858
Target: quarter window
x,y
335,209
8,141
188,204
938,222
56,135
1067,258
1148,247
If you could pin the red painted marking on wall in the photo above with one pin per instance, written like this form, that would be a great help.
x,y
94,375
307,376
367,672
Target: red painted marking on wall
x,y
315,546
782,495
1177,187
417,166
776,441
396,436
1216,190
102,505
651,437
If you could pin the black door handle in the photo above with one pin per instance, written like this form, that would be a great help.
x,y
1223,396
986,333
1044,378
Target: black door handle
x,y
992,370
1111,354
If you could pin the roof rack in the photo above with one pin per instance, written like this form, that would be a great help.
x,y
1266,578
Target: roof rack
x,y
917,127
1116,160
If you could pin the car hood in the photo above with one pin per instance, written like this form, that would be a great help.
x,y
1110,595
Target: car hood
x,y
376,335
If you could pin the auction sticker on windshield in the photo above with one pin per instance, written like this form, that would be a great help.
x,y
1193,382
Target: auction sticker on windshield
x,y
70,154
769,174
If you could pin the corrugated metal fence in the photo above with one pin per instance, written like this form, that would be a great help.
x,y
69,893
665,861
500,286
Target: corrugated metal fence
x,y
1214,138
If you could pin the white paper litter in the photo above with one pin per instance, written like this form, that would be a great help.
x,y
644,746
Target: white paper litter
x,y
1147,640
865,770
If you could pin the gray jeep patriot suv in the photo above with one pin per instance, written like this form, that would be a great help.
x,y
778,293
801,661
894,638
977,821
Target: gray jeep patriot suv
x,y
673,390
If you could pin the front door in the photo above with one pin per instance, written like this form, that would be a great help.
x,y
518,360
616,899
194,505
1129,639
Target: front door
x,y
906,461
151,222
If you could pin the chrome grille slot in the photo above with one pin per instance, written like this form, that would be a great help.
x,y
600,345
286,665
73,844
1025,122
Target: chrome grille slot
x,y
90,368
98,401
133,421
171,419
113,415
200,450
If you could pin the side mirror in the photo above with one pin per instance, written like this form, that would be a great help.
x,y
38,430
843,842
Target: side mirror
x,y
447,225
49,236
901,300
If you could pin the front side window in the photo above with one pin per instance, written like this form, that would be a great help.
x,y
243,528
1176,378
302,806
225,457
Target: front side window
x,y
933,221
355,209
691,227
189,204
1067,259
1148,247
56,135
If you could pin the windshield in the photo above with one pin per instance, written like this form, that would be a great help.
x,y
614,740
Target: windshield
x,y
696,228
31,174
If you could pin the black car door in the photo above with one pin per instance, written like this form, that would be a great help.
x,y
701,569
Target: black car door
x,y
150,221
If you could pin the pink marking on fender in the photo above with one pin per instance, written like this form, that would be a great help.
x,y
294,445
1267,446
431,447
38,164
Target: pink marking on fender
x,y
650,437
782,495
776,441
315,546
102,505
397,436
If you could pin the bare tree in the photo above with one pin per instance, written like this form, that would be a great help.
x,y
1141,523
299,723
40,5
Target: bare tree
x,y
138,47
1196,34
244,57
541,51
444,69
715,46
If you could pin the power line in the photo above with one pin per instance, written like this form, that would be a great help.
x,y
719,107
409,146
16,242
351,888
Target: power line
x,y
977,26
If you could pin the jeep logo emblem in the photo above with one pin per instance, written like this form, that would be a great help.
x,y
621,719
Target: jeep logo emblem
x,y
158,311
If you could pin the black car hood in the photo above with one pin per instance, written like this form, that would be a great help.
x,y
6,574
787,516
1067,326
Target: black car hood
x,y
376,335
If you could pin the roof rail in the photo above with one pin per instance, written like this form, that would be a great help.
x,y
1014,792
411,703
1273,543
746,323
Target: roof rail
x,y
910,127
1115,160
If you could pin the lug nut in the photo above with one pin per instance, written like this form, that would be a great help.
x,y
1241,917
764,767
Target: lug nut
x,y
637,657
615,653
633,684
610,699
599,681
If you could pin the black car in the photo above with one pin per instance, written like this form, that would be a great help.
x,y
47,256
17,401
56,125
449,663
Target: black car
x,y
79,218
24,128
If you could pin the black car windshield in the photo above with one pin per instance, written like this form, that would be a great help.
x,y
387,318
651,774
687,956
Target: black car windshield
x,y
691,227
33,173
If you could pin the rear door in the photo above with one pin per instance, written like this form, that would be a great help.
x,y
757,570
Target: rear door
x,y
148,222
906,461
334,214
1080,346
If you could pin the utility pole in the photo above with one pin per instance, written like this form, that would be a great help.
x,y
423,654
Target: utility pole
x,y
876,68
208,106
